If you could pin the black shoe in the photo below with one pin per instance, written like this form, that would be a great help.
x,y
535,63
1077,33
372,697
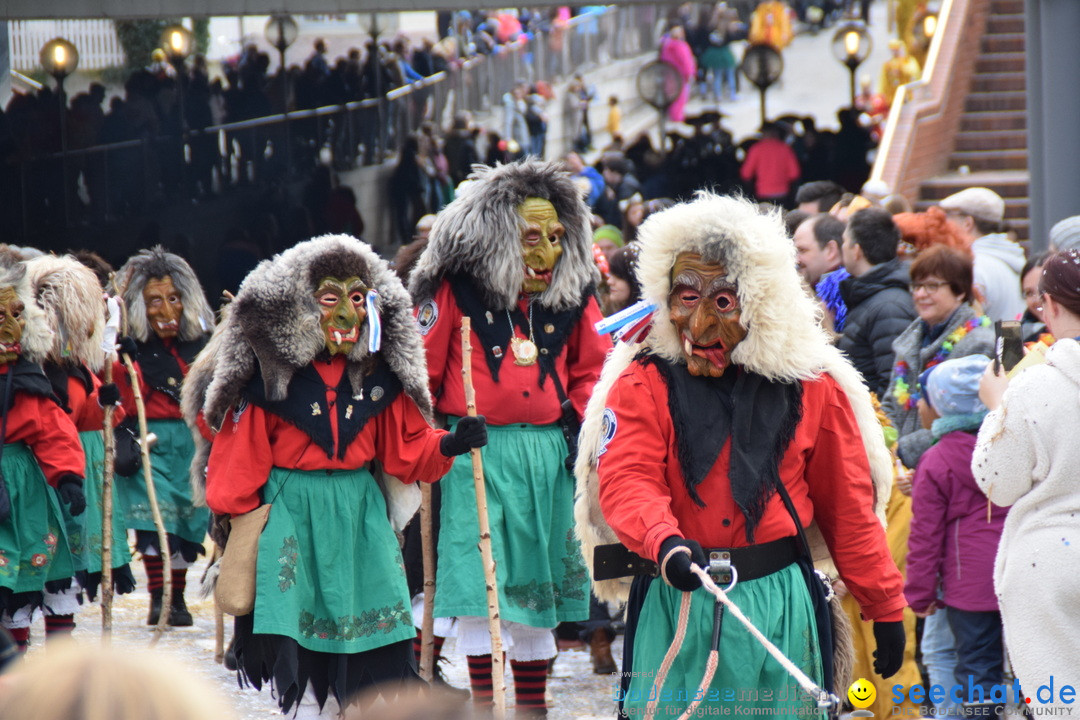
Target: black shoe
x,y
229,661
155,608
179,615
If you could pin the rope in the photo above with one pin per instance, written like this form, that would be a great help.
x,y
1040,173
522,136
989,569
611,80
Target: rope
x,y
672,653
823,697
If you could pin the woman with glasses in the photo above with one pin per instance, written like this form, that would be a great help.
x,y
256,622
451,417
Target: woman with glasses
x,y
1032,323
947,327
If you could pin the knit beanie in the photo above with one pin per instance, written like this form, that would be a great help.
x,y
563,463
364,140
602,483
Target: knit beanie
x,y
952,387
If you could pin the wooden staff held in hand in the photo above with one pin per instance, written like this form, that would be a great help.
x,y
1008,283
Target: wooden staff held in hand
x,y
494,622
145,441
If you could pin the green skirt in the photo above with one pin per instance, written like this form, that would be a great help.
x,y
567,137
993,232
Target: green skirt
x,y
33,542
748,681
530,497
170,460
329,572
94,447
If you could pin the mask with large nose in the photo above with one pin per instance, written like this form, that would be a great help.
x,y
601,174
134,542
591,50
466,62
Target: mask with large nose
x,y
343,307
11,325
704,307
164,306
541,243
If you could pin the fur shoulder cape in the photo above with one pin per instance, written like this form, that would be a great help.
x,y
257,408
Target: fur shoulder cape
x,y
784,341
198,318
478,234
69,294
273,326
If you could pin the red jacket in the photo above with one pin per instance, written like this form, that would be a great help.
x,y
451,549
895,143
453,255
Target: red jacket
x,y
517,396
645,501
44,426
773,167
252,441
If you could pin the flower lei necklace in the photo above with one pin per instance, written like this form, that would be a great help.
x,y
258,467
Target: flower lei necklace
x,y
908,391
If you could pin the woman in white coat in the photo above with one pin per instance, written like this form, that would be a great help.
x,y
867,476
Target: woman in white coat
x,y
1028,457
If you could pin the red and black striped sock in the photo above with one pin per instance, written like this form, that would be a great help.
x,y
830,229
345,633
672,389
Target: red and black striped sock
x,y
480,679
530,681
416,646
155,577
59,625
21,636
179,582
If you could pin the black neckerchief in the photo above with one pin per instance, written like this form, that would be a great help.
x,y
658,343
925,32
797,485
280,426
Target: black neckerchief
x,y
758,414
494,331
29,378
305,406
159,367
58,377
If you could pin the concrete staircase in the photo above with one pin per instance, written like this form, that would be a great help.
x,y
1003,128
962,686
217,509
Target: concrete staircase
x,y
991,146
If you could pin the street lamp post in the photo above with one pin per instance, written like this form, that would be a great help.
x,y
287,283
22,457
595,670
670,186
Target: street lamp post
x,y
60,58
176,41
851,45
762,65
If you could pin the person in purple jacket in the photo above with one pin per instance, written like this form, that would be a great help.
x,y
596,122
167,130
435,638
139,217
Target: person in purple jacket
x,y
954,531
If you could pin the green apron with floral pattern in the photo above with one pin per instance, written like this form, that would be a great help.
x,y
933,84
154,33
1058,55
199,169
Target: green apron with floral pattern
x,y
530,497
170,461
329,572
93,486
33,542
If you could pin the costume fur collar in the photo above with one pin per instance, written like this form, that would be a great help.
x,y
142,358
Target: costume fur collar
x,y
784,341
478,234
273,326
198,318
69,294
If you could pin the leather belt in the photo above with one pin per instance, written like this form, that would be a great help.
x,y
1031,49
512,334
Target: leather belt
x,y
751,562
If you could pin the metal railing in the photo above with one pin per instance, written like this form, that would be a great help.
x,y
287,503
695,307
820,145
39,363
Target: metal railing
x,y
106,182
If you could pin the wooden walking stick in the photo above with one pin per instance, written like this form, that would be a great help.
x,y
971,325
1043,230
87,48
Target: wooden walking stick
x,y
107,514
151,495
498,679
427,625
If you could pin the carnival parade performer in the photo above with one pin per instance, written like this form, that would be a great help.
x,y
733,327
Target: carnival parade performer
x,y
40,447
169,322
71,297
316,385
513,253
732,421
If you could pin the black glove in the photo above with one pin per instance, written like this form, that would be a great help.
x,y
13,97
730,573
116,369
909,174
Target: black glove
x,y
127,345
128,458
471,432
890,639
677,570
108,394
71,492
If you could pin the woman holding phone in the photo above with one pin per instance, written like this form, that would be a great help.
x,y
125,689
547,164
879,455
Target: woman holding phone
x,y
1026,457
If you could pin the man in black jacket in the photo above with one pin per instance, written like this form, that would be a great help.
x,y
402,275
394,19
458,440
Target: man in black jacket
x,y
879,305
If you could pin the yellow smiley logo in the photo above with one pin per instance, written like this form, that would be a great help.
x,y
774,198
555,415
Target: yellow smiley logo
x,y
861,693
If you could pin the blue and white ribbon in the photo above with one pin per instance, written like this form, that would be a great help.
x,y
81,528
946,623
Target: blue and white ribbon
x,y
638,311
374,323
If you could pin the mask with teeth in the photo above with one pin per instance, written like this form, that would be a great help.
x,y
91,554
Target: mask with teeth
x,y
342,303
704,308
164,306
11,325
541,243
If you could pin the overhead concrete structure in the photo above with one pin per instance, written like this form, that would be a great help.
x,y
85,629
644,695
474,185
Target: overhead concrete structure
x,y
130,9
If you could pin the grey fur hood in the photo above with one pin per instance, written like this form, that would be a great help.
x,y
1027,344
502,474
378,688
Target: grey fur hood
x,y
784,341
157,262
478,235
273,326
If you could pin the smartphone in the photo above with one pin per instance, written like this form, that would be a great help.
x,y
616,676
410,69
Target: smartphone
x,y
1008,344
